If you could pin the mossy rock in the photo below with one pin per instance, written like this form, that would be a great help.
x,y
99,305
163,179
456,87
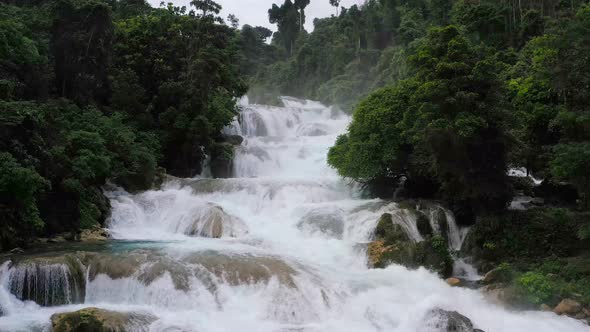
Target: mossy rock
x,y
393,246
424,226
99,320
388,231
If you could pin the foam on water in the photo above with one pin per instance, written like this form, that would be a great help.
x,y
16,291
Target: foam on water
x,y
281,272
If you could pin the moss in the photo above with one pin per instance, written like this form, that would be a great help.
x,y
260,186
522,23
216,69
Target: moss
x,y
393,246
98,320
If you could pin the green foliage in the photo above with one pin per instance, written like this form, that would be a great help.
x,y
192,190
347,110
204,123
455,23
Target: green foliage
x,y
96,91
571,163
533,234
537,288
437,124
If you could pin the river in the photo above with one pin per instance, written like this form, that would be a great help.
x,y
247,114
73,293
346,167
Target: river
x,y
278,247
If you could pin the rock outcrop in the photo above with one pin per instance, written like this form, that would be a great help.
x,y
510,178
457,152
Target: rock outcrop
x,y
100,320
449,321
393,246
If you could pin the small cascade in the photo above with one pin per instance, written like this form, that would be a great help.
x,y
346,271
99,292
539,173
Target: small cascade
x,y
47,282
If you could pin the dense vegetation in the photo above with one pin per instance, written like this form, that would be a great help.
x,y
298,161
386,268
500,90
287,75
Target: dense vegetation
x,y
446,97
94,91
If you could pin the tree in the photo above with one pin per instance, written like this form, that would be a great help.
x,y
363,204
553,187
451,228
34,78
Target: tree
x,y
81,44
444,125
287,19
234,22
301,4
206,7
336,4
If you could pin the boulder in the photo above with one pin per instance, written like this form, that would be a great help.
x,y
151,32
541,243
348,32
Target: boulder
x,y
328,221
312,129
94,234
507,296
568,307
453,282
99,320
388,231
497,275
233,139
213,222
545,307
449,321
423,225
393,246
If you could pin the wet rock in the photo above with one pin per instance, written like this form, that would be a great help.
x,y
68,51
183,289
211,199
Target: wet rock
x,y
211,221
453,282
256,151
100,320
388,231
16,251
393,246
568,307
506,295
423,225
116,266
312,129
94,234
545,307
242,269
449,321
233,139
499,274
48,281
179,273
328,221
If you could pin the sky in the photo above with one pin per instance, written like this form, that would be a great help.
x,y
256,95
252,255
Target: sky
x,y
254,12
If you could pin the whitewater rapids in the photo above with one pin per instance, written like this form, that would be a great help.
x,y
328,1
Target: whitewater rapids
x,y
278,247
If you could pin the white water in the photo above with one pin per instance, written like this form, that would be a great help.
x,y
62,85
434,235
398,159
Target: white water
x,y
293,257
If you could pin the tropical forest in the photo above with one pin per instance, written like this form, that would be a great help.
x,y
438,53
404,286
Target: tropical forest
x,y
294,165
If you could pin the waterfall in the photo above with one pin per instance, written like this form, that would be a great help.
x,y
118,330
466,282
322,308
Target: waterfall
x,y
45,282
280,247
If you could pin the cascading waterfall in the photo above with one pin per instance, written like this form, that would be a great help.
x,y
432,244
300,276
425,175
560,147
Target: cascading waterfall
x,y
279,247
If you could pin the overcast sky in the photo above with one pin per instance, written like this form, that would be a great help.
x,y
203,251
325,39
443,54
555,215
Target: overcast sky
x,y
254,12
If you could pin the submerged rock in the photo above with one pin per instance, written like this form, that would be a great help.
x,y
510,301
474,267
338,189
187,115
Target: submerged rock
x,y
241,269
449,321
100,320
211,221
312,129
328,221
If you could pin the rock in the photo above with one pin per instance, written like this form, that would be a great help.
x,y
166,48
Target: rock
x,y
537,201
94,234
499,274
328,221
16,251
233,139
449,321
393,246
453,282
423,225
312,129
586,312
99,320
388,231
568,307
545,307
213,222
507,296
